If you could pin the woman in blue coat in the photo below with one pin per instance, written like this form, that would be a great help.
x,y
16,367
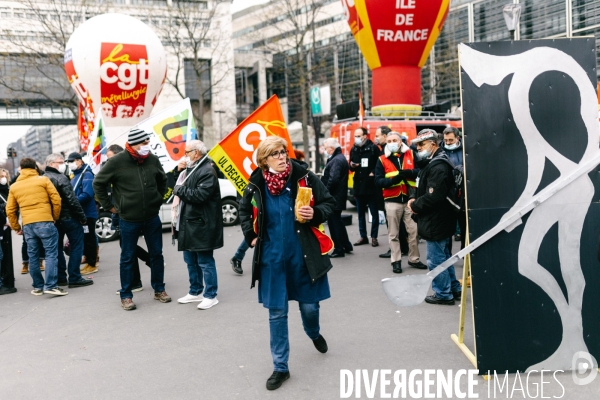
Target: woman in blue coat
x,y
290,258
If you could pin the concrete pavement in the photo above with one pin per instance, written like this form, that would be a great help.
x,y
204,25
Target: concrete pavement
x,y
84,346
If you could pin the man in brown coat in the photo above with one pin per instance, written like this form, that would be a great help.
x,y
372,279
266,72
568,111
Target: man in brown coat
x,y
39,203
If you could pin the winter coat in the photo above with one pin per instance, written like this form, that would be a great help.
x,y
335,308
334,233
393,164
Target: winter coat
x,y
436,220
35,196
201,215
82,185
137,189
456,155
71,208
315,244
335,178
364,182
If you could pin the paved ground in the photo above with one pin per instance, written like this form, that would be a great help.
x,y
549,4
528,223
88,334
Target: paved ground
x,y
84,346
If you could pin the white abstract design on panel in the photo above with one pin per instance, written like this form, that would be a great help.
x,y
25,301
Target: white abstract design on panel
x,y
525,67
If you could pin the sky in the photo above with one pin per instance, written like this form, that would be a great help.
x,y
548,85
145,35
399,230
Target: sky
x,y
9,134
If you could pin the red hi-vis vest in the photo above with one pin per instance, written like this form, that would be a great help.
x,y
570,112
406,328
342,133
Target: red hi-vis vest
x,y
390,171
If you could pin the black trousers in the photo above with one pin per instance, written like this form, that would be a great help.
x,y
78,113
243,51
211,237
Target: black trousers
x,y
90,246
338,232
7,268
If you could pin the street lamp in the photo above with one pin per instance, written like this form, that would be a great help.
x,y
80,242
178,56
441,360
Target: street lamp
x,y
512,14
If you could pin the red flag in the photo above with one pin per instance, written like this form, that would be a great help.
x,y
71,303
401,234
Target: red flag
x,y
361,108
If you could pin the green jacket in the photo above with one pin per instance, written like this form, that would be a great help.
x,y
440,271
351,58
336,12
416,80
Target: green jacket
x,y
137,189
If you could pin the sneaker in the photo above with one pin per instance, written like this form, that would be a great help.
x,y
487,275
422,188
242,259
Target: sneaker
x,y
208,303
417,265
62,283
163,297
433,299
128,304
276,379
6,290
81,283
320,344
42,266
89,269
236,265
37,292
133,290
190,298
25,269
56,291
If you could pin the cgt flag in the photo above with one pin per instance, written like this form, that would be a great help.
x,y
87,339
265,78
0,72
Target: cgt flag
x,y
172,128
235,155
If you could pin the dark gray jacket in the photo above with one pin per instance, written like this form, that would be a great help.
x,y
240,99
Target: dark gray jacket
x,y
335,178
71,209
201,215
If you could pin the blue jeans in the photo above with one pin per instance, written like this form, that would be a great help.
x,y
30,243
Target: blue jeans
x,y
130,232
74,232
44,235
280,344
201,264
445,283
241,251
362,203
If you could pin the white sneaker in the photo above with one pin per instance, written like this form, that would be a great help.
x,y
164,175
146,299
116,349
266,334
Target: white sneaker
x,y
208,303
188,298
56,291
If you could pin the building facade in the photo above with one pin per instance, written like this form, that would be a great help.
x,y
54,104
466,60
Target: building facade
x,y
65,139
38,142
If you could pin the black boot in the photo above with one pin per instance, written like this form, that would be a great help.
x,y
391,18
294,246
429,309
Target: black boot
x,y
386,255
276,379
397,267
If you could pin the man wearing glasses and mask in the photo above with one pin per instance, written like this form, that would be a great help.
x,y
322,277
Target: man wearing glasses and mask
x,y
138,186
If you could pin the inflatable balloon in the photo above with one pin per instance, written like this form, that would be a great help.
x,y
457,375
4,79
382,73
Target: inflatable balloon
x,y
395,37
117,66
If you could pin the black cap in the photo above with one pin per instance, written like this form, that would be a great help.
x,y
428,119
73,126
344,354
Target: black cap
x,y
74,156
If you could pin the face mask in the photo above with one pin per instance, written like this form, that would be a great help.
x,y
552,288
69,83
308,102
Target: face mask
x,y
3,181
72,166
357,141
376,140
393,147
424,154
188,162
144,150
452,146
327,155
62,168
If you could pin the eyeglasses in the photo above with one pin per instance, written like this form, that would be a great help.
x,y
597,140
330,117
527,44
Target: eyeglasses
x,y
189,151
278,154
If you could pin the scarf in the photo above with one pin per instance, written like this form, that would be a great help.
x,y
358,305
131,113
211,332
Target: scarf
x,y
276,181
139,158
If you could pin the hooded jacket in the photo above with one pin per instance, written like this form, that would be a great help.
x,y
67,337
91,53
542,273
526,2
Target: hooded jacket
x,y
35,196
70,208
436,220
137,189
82,185
335,178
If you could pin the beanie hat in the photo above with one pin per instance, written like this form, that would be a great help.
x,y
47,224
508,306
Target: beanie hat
x,y
137,136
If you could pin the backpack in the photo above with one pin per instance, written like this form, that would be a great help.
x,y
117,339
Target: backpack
x,y
456,192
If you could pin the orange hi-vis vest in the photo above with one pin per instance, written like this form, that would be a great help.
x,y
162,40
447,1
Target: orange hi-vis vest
x,y
390,171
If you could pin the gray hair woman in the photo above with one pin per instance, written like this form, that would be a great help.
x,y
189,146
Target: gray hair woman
x,y
290,258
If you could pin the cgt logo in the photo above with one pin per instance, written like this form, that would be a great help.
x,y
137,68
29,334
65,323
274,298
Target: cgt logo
x,y
118,67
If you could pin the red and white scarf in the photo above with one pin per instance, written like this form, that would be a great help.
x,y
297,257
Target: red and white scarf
x,y
276,181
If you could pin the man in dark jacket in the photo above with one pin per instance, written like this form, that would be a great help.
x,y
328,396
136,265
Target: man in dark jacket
x,y
138,186
454,150
199,224
70,223
82,185
363,159
395,175
435,218
335,179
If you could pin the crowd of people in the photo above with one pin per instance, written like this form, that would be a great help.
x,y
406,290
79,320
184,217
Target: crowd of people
x,y
292,253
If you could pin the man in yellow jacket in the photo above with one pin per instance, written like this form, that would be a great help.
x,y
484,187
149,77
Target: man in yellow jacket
x,y
39,203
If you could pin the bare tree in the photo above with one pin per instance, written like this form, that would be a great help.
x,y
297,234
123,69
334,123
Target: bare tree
x,y
199,39
33,69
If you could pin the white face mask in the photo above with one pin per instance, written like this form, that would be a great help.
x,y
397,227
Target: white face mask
x,y
72,166
357,141
188,161
3,181
452,146
62,168
144,150
393,147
